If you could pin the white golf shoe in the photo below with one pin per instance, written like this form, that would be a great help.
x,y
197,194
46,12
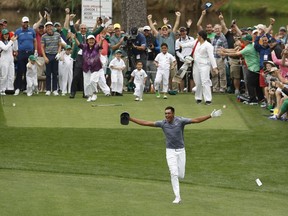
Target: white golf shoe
x,y
48,93
89,99
94,97
17,91
177,200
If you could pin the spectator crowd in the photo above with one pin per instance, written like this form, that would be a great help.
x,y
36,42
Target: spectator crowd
x,y
250,62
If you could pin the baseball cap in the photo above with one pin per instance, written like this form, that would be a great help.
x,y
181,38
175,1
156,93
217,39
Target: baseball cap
x,y
118,51
117,25
146,28
57,24
169,26
48,23
260,26
164,26
269,62
25,19
90,36
32,58
41,25
4,31
68,47
247,37
282,28
182,29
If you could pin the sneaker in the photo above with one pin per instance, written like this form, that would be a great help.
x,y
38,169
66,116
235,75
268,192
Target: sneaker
x,y
63,94
55,93
17,91
236,92
273,117
177,200
253,103
29,94
137,99
94,97
157,94
140,99
198,101
263,104
48,93
208,103
3,93
108,95
89,99
164,97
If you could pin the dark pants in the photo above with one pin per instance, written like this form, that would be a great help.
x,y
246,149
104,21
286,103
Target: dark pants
x,y
22,60
77,81
254,90
51,72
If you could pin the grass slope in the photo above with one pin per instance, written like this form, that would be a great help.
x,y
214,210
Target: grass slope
x,y
93,165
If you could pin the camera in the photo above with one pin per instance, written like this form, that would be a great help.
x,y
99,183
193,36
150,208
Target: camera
x,y
129,41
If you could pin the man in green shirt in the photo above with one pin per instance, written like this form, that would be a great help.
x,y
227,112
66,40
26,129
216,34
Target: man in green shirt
x,y
252,60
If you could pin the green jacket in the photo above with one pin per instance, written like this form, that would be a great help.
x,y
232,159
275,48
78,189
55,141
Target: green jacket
x,y
79,37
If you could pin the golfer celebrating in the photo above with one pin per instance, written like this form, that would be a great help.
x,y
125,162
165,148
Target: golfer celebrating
x,y
173,128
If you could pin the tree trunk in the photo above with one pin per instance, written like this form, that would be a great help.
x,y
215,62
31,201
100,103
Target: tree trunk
x,y
134,14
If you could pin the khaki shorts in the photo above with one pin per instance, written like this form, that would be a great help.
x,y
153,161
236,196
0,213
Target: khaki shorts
x,y
235,68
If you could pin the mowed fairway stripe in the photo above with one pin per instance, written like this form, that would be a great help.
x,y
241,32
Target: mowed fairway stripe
x,y
62,112
38,193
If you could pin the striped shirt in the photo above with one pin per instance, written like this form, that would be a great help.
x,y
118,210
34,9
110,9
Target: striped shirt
x,y
51,43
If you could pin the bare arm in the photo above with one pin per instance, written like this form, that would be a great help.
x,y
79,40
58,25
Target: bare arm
x,y
199,23
67,18
272,21
177,21
142,122
36,25
154,30
223,24
200,119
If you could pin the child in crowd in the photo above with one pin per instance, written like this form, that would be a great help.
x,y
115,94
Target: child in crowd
x,y
65,70
32,76
139,76
117,65
164,62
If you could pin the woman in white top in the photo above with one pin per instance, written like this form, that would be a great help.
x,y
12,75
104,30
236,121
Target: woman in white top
x,y
203,61
7,70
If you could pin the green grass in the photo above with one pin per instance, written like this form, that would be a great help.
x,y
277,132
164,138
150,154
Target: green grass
x,y
63,157
257,7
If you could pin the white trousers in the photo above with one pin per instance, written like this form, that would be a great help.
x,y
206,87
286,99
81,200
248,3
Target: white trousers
x,y
90,82
162,75
201,76
65,76
7,73
176,160
139,88
102,82
116,81
32,83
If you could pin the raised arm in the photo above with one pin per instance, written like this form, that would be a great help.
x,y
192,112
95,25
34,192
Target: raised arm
x,y
177,21
150,22
199,23
270,27
36,25
67,19
142,122
223,24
